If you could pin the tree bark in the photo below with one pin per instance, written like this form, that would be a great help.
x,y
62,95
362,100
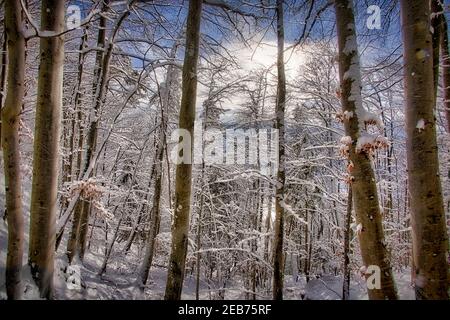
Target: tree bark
x,y
430,243
183,180
75,120
46,148
164,94
347,237
4,62
198,240
436,27
11,147
365,196
76,124
99,84
155,217
278,254
446,70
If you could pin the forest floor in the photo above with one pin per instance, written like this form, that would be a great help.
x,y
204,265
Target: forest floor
x,y
81,280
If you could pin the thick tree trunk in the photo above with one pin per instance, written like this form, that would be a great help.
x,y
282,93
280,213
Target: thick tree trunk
x,y
11,147
365,196
183,180
46,148
430,243
278,253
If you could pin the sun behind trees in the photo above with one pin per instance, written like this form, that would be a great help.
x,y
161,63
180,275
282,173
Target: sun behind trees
x,y
224,150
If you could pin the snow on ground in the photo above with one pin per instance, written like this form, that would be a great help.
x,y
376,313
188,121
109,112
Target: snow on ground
x,y
81,280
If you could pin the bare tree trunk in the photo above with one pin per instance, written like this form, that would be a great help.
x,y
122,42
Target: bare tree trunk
x,y
110,245
164,95
278,254
99,84
307,243
46,148
200,216
347,235
267,225
4,62
199,239
183,180
75,120
365,196
11,147
144,207
155,217
436,27
71,243
430,242
446,70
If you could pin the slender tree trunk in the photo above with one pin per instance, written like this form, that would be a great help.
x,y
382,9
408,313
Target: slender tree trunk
x,y
75,120
267,242
365,196
307,242
130,192
101,88
278,261
155,217
347,236
11,147
436,27
46,148
4,63
268,227
199,240
72,241
200,216
165,95
143,208
430,242
446,83
76,124
83,228
101,73
109,246
446,70
183,180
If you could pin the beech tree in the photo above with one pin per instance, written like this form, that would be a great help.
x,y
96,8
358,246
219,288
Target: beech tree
x,y
46,147
430,239
445,69
183,178
278,252
310,186
359,144
11,146
164,95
